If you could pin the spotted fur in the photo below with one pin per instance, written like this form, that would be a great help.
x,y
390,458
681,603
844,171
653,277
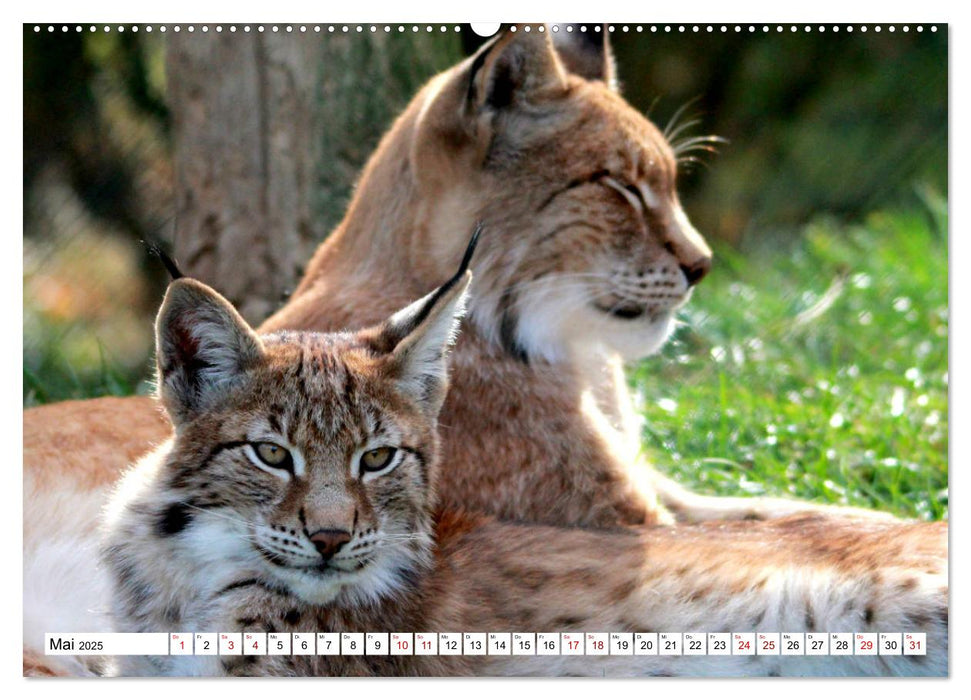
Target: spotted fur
x,y
586,256
202,536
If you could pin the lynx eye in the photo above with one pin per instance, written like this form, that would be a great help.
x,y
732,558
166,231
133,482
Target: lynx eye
x,y
272,455
630,192
377,459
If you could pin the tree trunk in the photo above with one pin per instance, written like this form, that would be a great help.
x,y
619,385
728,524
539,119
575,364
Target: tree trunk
x,y
270,132
243,132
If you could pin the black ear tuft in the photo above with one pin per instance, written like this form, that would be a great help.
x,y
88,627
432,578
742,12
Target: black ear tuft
x,y
396,332
469,252
587,54
170,265
458,277
416,339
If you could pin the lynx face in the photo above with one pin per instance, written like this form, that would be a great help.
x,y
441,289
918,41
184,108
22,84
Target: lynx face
x,y
587,240
300,460
612,255
314,471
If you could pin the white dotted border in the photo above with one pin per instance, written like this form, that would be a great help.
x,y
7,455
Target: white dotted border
x,y
428,28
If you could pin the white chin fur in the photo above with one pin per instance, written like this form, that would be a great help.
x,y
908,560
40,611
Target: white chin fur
x,y
636,339
559,325
310,588
379,579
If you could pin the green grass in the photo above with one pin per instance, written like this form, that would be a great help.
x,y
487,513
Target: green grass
x,y
53,372
70,359
814,368
88,309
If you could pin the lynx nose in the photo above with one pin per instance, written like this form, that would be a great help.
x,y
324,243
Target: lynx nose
x,y
328,542
696,270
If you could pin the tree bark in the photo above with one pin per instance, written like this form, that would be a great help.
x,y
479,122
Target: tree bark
x,y
245,151
270,131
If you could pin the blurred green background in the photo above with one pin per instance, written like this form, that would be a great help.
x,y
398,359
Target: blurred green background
x,y
812,361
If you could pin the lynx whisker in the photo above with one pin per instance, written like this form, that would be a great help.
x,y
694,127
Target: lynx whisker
x,y
697,148
681,144
681,128
650,108
673,122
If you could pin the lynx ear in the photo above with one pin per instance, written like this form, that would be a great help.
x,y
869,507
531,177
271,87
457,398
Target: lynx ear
x,y
587,54
203,347
417,339
512,68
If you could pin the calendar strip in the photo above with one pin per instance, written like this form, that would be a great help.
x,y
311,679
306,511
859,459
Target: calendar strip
x,y
489,644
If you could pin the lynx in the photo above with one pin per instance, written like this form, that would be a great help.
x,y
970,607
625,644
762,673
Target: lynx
x,y
586,257
298,494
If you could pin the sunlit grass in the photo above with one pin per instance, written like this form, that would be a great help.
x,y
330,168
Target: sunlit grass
x,y
815,369
87,328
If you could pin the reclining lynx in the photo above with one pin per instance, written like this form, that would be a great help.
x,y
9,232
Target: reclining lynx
x,y
586,256
298,494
